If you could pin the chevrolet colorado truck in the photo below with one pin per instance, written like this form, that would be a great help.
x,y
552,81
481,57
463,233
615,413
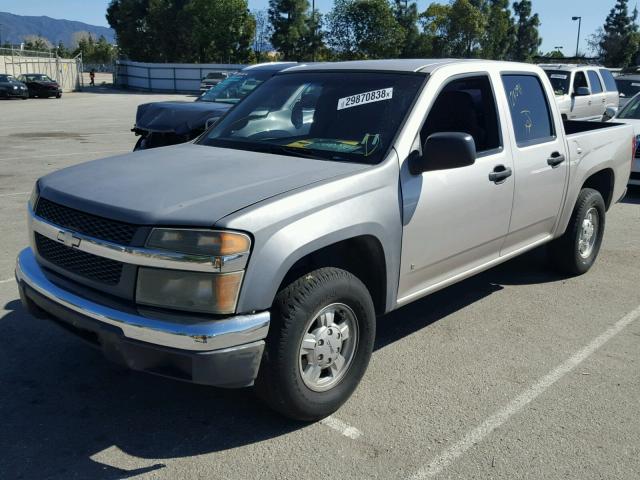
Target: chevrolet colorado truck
x,y
263,251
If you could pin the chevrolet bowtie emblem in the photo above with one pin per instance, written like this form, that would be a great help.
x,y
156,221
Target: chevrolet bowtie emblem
x,y
68,239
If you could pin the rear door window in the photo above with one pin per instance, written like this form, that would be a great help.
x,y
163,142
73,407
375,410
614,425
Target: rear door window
x,y
609,81
594,80
529,109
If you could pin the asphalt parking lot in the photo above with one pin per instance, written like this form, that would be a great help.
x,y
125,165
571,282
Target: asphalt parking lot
x,y
515,373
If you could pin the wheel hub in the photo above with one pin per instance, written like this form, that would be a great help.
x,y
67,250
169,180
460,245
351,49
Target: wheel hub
x,y
328,347
587,237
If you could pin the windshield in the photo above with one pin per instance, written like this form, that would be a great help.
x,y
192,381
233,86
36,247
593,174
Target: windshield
x,y
628,88
234,88
631,110
38,78
6,78
559,81
334,116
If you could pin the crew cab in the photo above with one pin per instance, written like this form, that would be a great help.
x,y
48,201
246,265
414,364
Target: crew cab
x,y
263,252
583,92
168,123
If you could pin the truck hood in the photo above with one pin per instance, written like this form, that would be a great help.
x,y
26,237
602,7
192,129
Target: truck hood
x,y
177,117
183,185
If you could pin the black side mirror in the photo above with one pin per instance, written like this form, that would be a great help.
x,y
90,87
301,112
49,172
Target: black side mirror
x,y
442,151
583,92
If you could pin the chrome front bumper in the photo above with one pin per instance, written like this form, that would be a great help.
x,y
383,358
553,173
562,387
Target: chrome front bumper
x,y
194,337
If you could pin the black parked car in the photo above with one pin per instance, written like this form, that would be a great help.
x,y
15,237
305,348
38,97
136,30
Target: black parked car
x,y
167,123
12,88
40,85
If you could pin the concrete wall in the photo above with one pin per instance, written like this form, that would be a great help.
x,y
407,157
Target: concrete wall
x,y
167,77
64,71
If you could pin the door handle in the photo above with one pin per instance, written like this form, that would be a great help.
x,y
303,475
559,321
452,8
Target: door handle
x,y
589,102
555,159
500,173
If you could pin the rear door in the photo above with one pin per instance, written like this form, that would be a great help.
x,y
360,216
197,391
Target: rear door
x,y
612,98
539,160
599,101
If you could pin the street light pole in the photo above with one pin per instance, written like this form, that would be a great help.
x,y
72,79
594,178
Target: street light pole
x,y
579,25
313,33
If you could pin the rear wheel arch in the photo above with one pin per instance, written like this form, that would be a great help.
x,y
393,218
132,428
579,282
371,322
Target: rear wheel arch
x,y
602,181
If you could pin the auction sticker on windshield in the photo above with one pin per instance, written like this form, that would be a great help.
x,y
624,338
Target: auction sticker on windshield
x,y
364,98
558,75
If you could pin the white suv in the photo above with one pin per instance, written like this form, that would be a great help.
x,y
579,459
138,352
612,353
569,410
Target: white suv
x,y
583,92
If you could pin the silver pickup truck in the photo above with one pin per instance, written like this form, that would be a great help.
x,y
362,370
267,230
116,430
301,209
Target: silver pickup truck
x,y
264,250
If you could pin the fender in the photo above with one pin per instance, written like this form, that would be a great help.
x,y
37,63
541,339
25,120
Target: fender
x,y
289,227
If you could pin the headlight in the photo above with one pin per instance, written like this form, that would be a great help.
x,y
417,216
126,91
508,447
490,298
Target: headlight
x,y
215,293
193,291
35,194
15,87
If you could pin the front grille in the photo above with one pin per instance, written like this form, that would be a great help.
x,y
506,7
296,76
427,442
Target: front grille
x,y
90,266
85,223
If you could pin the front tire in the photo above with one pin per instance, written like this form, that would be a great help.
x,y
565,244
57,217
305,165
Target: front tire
x,y
319,344
575,252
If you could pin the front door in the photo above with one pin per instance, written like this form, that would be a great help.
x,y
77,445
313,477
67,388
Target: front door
x,y
456,219
580,104
540,162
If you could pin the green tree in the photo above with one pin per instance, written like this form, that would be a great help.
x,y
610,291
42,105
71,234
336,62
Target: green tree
x,y
290,22
527,39
406,14
454,29
364,29
129,18
500,31
222,31
183,30
619,41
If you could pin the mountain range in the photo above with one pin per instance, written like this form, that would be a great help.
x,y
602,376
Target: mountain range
x,y
13,29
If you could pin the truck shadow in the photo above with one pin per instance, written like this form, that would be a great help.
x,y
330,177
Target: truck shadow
x,y
633,195
62,404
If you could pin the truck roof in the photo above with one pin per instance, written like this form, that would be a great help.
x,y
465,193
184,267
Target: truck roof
x,y
270,66
397,65
566,66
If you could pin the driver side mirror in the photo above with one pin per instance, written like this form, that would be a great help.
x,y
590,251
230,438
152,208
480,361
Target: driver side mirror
x,y
609,113
582,92
442,151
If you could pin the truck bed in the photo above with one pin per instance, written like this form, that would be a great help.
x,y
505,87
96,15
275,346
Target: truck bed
x,y
577,126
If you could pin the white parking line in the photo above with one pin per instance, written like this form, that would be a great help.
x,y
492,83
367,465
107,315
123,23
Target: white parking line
x,y
7,280
344,428
476,435
13,194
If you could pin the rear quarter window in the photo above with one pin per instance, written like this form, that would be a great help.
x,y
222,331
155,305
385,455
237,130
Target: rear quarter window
x,y
529,109
609,81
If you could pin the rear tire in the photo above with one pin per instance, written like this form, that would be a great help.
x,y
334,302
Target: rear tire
x,y
319,344
575,252
59,95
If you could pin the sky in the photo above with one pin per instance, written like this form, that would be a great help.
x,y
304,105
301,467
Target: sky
x,y
557,28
